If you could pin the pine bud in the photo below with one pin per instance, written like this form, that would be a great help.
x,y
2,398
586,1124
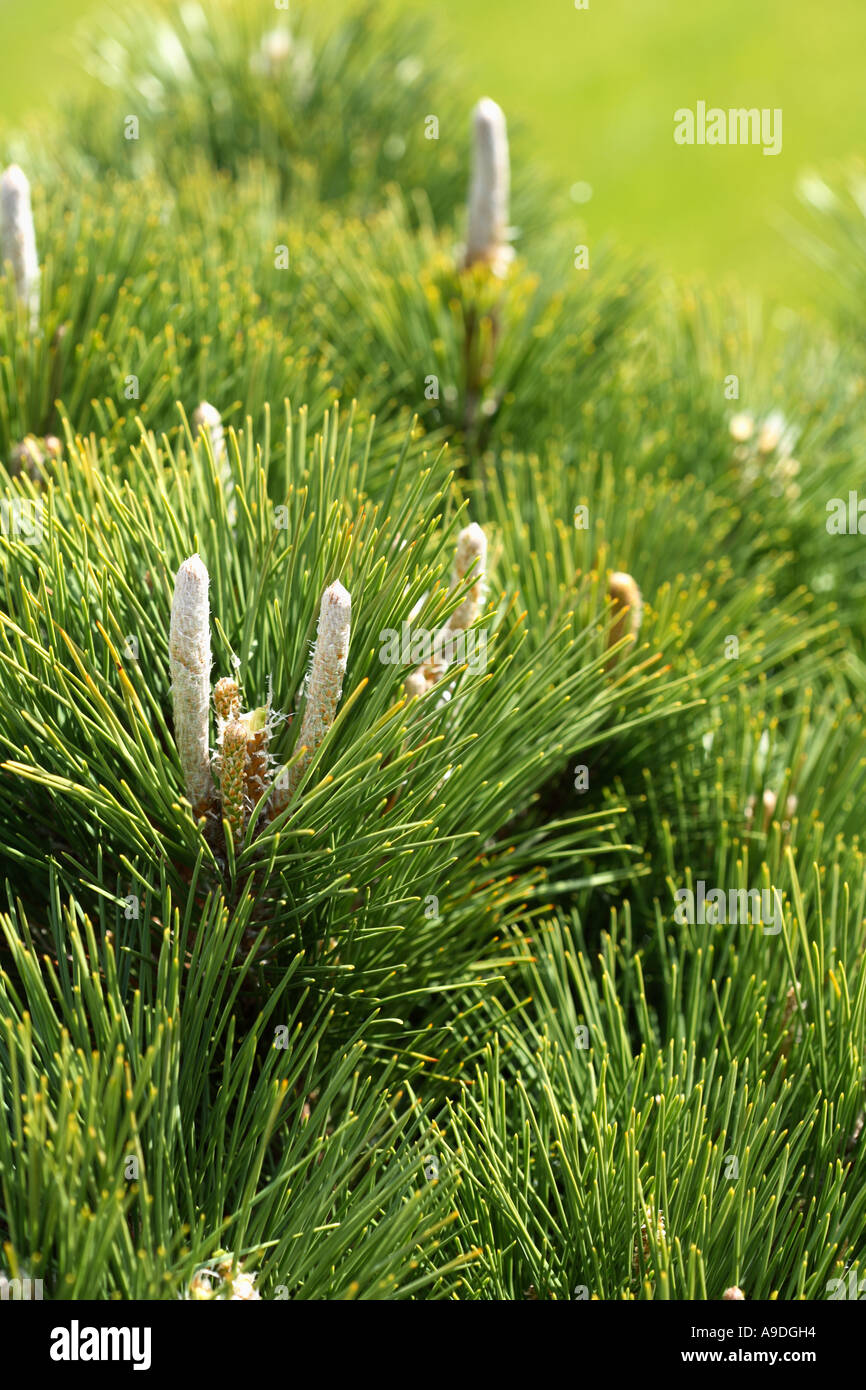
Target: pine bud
x,y
18,239
190,662
226,699
201,1286
274,52
243,1288
471,555
227,708
627,604
237,1284
207,418
258,737
224,1282
742,427
486,237
28,456
324,685
233,767
771,433
645,1246
416,682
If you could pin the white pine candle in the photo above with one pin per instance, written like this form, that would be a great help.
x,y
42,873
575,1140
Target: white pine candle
x,y
324,685
489,190
190,663
18,239
275,51
206,419
471,555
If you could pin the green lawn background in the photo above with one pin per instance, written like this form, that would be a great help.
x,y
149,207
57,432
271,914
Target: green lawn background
x,y
598,88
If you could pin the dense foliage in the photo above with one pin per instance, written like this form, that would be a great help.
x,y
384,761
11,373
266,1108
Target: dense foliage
x,y
438,1030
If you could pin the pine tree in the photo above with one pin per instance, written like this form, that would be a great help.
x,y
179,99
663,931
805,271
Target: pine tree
x,y
365,737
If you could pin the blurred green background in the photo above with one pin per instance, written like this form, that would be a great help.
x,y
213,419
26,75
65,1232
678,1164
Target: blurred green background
x,y
597,89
